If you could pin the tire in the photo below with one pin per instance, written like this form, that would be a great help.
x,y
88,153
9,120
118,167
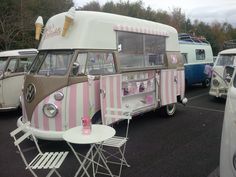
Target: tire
x,y
206,83
169,110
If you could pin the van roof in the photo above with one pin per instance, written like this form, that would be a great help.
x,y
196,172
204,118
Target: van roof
x,y
20,52
97,30
228,51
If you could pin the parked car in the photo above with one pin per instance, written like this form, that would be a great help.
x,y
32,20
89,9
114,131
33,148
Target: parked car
x,y
219,85
13,66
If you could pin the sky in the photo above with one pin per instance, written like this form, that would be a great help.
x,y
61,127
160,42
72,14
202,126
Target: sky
x,y
203,10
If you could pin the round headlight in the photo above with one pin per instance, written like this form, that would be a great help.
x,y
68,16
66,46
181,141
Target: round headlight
x,y
50,110
215,82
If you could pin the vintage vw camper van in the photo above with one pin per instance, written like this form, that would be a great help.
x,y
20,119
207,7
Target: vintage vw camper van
x,y
228,140
13,65
101,60
197,55
219,85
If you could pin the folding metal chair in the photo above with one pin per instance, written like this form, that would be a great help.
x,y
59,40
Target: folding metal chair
x,y
118,142
42,161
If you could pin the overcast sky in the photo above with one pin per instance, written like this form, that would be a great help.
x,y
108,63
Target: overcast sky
x,y
203,10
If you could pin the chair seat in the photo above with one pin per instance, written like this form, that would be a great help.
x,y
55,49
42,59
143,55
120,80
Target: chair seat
x,y
48,160
115,141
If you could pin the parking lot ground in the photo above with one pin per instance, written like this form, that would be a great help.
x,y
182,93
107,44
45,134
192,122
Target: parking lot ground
x,y
187,145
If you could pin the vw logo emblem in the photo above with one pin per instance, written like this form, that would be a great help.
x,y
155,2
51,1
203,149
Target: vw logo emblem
x,y
30,93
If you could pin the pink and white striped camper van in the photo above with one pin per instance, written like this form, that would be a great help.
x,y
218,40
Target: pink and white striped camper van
x,y
100,60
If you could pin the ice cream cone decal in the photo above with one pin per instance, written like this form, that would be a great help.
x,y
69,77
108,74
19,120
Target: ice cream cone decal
x,y
69,18
38,27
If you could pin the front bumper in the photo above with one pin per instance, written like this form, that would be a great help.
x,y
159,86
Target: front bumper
x,y
42,134
218,92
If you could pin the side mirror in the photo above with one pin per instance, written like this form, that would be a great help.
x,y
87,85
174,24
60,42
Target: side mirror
x,y
228,73
75,69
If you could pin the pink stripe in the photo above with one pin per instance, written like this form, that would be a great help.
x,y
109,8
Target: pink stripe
x,y
45,119
173,87
97,95
166,77
111,79
58,118
118,88
85,99
72,105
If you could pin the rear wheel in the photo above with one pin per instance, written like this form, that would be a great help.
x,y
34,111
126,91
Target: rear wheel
x,y
168,110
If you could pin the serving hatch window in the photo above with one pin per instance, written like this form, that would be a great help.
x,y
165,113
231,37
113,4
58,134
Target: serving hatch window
x,y
140,50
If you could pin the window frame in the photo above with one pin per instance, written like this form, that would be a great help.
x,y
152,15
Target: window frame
x,y
145,63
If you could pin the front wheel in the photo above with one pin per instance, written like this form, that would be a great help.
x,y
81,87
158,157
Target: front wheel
x,y
206,82
168,110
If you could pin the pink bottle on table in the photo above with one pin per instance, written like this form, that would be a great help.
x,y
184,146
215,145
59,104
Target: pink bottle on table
x,y
86,123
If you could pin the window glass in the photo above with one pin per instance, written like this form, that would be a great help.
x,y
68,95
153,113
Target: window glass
x,y
11,68
131,50
37,62
154,50
200,54
24,64
226,60
139,50
79,65
185,57
55,63
99,63
3,61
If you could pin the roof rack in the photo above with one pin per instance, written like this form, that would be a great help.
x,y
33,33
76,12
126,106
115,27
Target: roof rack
x,y
229,44
193,39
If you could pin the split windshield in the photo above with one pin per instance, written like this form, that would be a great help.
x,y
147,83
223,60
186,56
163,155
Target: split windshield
x,y
226,60
52,63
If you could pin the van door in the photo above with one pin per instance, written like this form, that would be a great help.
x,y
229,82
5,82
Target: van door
x,y
110,94
12,84
168,86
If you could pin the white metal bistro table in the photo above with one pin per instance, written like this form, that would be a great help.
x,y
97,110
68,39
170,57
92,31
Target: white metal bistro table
x,y
99,133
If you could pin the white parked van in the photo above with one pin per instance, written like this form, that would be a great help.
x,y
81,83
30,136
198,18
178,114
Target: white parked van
x,y
13,65
228,139
219,86
102,61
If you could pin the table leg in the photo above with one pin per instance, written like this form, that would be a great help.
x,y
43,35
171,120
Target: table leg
x,y
81,163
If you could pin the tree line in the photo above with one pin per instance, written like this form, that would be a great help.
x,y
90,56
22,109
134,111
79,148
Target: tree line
x,y
17,18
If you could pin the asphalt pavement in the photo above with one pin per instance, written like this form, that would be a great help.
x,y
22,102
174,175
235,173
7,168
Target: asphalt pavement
x,y
186,145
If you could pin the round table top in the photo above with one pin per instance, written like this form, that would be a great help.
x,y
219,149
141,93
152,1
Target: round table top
x,y
98,133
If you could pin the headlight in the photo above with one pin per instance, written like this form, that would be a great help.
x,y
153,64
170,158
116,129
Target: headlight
x,y
50,110
215,82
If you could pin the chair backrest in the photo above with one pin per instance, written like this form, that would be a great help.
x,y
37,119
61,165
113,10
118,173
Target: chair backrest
x,y
118,115
18,139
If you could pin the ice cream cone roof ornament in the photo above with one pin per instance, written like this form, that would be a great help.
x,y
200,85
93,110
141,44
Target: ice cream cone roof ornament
x,y
69,18
38,27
